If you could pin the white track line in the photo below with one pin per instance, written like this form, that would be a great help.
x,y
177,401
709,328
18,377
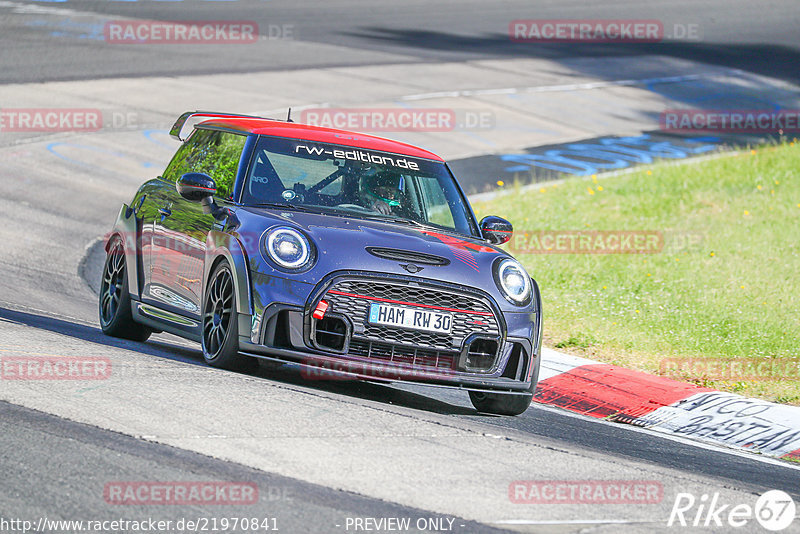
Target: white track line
x,y
570,522
555,88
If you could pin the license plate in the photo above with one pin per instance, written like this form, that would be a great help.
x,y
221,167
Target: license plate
x,y
414,319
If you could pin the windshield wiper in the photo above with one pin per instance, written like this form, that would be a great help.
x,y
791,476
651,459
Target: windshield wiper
x,y
322,209
400,220
418,224
282,205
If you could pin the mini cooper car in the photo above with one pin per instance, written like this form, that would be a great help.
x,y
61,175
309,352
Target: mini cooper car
x,y
346,254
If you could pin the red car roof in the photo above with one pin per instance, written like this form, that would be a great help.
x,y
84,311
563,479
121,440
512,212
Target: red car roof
x,y
294,130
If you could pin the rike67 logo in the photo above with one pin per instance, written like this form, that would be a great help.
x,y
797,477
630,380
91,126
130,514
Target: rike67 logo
x,y
774,511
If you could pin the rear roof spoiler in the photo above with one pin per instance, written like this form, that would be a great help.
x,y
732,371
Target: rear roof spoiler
x,y
177,128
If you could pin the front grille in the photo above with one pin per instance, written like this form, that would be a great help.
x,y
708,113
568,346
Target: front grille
x,y
410,337
471,314
399,354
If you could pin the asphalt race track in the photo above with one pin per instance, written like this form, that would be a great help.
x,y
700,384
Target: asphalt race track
x,y
320,453
734,33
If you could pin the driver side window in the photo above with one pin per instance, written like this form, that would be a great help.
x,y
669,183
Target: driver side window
x,y
211,152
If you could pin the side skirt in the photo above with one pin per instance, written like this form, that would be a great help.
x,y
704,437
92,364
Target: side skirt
x,y
165,321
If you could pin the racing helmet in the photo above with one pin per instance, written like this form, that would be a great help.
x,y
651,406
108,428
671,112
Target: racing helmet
x,y
387,186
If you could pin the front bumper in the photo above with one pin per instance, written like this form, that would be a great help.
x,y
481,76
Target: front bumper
x,y
287,332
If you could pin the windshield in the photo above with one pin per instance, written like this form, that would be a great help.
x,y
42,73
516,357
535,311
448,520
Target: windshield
x,y
355,182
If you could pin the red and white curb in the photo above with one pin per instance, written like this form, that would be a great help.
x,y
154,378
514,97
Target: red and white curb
x,y
621,395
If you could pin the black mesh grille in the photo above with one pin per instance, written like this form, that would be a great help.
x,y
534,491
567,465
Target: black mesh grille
x,y
419,295
398,354
411,337
471,314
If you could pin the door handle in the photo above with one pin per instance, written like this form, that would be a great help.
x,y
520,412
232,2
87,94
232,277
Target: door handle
x,y
165,212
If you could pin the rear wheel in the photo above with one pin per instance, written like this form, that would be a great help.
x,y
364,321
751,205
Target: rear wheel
x,y
221,323
116,318
500,403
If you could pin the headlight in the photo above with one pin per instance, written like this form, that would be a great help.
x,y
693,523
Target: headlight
x,y
513,281
288,248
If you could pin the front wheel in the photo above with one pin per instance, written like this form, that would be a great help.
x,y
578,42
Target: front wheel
x,y
116,318
221,323
500,403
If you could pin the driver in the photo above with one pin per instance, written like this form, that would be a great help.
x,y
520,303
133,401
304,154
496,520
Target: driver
x,y
384,191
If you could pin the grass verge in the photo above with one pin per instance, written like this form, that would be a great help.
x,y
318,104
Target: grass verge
x,y
718,303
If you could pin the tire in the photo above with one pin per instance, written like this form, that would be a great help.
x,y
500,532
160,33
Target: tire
x,y
114,303
500,403
220,336
503,403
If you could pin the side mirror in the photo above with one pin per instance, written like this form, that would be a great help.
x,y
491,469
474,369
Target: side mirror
x,y
496,229
199,187
196,186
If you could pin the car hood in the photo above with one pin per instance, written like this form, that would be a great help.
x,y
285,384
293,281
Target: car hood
x,y
343,243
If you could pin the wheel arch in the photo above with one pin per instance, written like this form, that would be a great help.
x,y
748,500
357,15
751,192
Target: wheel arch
x,y
126,228
221,246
